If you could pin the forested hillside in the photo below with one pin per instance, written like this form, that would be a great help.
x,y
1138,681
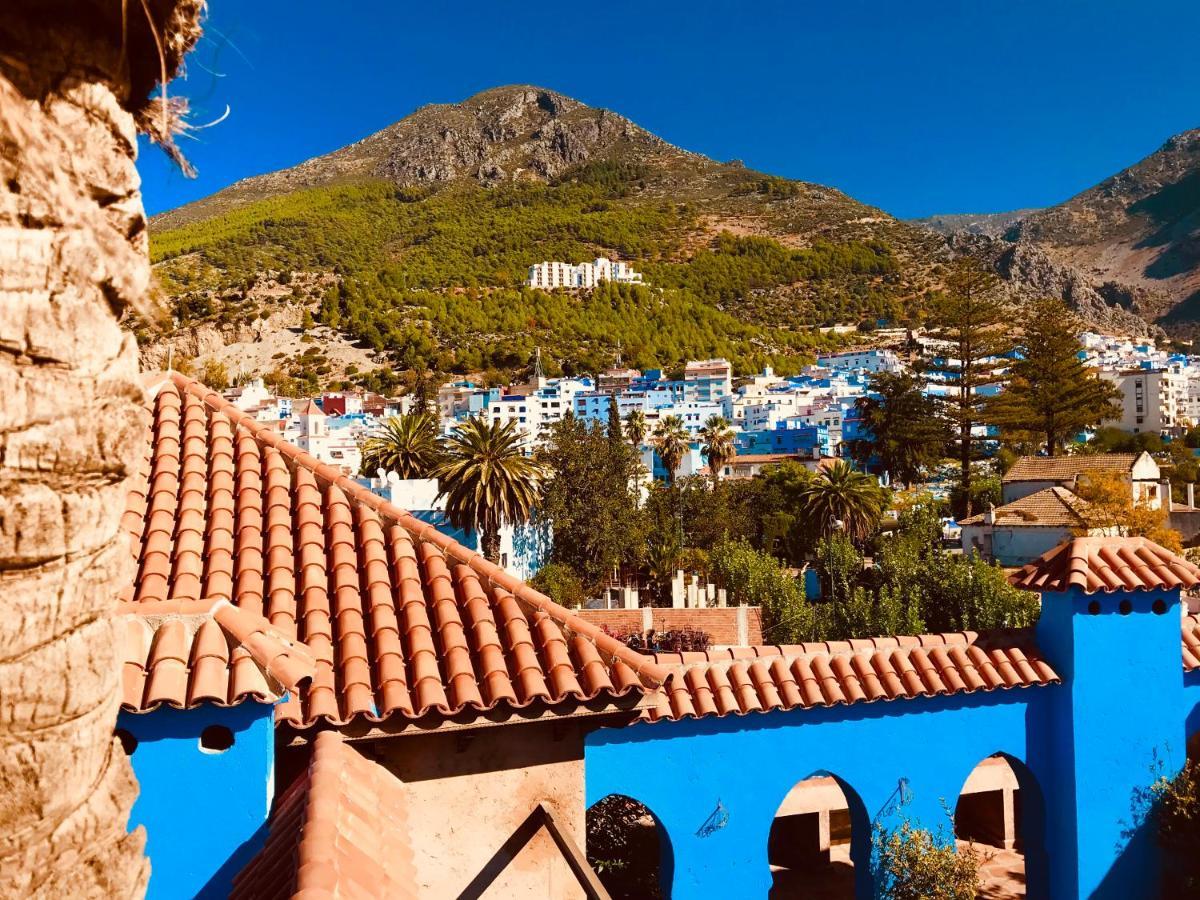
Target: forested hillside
x,y
428,275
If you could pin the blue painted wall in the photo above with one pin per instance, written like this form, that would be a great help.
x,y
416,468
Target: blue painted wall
x,y
1084,751
204,813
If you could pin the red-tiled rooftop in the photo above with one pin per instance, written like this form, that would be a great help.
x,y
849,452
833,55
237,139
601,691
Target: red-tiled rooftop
x,y
403,622
741,680
1107,564
184,653
339,831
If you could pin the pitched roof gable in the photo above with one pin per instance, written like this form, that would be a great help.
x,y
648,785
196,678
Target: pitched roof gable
x,y
1049,507
403,622
1063,468
339,831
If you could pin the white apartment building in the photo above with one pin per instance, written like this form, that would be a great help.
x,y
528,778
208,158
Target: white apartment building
x,y
1152,400
550,275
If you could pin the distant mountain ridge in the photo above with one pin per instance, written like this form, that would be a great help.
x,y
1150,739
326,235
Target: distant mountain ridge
x,y
988,224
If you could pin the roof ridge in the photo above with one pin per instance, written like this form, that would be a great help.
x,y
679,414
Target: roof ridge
x,y
650,673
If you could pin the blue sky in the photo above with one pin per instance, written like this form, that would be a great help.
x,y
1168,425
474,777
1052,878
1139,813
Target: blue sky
x,y
916,106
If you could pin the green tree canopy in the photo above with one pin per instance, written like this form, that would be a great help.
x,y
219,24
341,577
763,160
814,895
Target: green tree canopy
x,y
1051,394
908,433
407,445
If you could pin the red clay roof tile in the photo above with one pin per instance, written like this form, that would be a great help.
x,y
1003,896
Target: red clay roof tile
x,y
340,831
401,621
840,672
183,653
1107,564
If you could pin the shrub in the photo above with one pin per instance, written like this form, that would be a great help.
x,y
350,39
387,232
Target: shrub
x,y
754,578
560,583
1178,803
914,864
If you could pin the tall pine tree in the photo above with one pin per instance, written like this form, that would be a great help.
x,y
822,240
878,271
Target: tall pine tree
x,y
1051,394
974,320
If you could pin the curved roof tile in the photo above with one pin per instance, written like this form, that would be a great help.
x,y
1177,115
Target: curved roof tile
x,y
1107,564
401,621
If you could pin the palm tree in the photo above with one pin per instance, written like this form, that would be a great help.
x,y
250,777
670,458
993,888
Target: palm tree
x,y
487,480
635,427
841,497
671,441
407,445
716,443
75,431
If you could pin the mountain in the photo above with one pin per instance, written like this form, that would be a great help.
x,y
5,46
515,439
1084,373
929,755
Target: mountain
x,y
406,250
1134,239
987,224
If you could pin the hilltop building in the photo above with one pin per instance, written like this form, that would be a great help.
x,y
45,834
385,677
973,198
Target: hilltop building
x,y
551,275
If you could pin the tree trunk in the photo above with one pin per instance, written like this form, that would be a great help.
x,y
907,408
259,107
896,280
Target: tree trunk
x,y
73,256
965,461
490,543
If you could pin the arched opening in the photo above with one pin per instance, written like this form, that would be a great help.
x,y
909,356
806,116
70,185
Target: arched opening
x,y
1000,810
629,849
818,833
215,739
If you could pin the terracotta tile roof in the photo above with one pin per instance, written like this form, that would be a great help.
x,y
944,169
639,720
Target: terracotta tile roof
x,y
1107,564
1066,468
1050,507
403,621
183,653
741,680
1191,643
340,831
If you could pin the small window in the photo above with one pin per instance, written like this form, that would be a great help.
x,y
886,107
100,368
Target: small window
x,y
1160,606
1126,607
215,739
1094,608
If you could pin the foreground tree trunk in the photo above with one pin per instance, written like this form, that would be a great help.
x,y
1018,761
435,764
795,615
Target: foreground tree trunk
x,y
72,258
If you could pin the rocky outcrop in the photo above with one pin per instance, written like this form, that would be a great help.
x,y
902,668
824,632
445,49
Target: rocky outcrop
x,y
1030,273
73,79
504,134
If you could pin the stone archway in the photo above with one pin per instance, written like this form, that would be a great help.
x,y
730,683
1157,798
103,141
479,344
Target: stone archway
x,y
629,849
1000,810
818,831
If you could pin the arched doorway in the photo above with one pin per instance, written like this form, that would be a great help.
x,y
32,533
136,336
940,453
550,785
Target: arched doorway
x,y
629,849
818,832
1000,810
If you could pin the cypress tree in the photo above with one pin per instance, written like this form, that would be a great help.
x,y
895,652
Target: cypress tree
x,y
973,319
1051,393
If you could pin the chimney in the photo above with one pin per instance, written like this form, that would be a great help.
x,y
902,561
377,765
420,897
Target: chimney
x,y
1166,489
1191,494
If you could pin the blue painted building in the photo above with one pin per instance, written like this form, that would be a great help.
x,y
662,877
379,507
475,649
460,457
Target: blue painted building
x,y
201,682
1083,750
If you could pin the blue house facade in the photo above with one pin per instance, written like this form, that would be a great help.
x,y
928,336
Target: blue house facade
x,y
1084,751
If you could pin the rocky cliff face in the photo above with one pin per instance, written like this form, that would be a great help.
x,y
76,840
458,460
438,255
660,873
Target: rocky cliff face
x,y
1135,236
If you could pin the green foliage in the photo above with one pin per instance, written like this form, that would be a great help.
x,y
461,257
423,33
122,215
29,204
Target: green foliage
x,y
754,578
487,480
1051,395
560,583
215,375
911,863
908,435
407,445
1110,439
590,501
1177,801
433,277
841,498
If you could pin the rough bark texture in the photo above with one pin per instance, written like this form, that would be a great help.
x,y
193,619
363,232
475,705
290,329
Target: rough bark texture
x,y
72,257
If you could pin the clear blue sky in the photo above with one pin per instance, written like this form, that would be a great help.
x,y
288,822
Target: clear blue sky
x,y
916,106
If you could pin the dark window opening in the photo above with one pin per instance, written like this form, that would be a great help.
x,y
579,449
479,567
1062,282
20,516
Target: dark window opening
x,y
216,739
128,742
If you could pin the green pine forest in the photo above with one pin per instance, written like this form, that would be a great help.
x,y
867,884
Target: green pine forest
x,y
431,277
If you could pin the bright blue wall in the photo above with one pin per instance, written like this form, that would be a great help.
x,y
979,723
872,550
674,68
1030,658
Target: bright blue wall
x,y
1091,747
681,770
204,812
1121,722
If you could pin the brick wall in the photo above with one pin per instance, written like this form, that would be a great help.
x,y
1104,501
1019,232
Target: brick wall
x,y
722,624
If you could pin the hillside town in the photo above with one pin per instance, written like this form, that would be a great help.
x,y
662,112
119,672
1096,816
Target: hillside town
x,y
783,547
